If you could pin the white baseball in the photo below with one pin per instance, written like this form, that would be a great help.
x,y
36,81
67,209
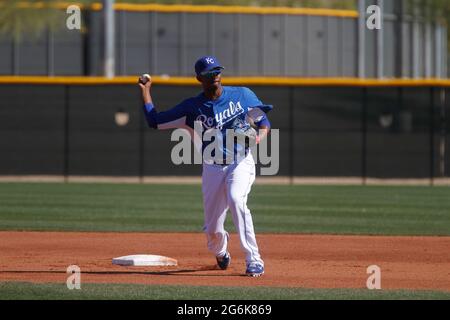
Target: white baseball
x,y
145,78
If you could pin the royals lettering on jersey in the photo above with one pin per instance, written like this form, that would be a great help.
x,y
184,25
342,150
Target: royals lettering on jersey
x,y
229,114
234,103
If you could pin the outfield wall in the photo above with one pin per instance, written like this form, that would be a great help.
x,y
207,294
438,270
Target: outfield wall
x,y
325,131
249,41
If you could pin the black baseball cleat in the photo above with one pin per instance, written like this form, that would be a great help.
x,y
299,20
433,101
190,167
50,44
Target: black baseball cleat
x,y
224,262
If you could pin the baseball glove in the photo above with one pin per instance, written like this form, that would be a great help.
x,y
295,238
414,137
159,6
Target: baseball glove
x,y
244,133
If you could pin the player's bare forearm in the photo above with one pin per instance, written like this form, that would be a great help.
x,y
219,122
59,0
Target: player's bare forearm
x,y
146,96
263,132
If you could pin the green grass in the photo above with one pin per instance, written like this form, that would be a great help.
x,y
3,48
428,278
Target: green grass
x,y
29,291
388,210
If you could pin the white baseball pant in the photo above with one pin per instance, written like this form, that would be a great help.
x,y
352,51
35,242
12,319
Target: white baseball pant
x,y
227,187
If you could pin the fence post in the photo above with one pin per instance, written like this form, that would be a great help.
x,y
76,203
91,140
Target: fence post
x,y
401,35
380,44
362,39
122,57
66,133
364,137
432,155
86,38
109,37
291,135
141,146
443,133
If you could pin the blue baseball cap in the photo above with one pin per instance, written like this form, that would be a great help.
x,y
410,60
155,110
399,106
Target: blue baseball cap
x,y
207,64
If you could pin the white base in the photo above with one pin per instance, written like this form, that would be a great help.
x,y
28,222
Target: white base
x,y
144,260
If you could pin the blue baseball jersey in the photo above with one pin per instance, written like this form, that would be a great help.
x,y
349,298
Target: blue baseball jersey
x,y
236,104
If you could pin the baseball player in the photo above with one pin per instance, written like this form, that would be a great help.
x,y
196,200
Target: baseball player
x,y
224,185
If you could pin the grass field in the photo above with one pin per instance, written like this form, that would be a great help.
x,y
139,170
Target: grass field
x,y
377,210
17,291
374,210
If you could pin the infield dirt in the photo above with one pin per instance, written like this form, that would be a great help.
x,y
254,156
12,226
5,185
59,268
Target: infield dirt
x,y
308,261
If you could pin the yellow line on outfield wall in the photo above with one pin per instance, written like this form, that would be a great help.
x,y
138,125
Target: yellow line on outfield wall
x,y
238,81
200,9
235,9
